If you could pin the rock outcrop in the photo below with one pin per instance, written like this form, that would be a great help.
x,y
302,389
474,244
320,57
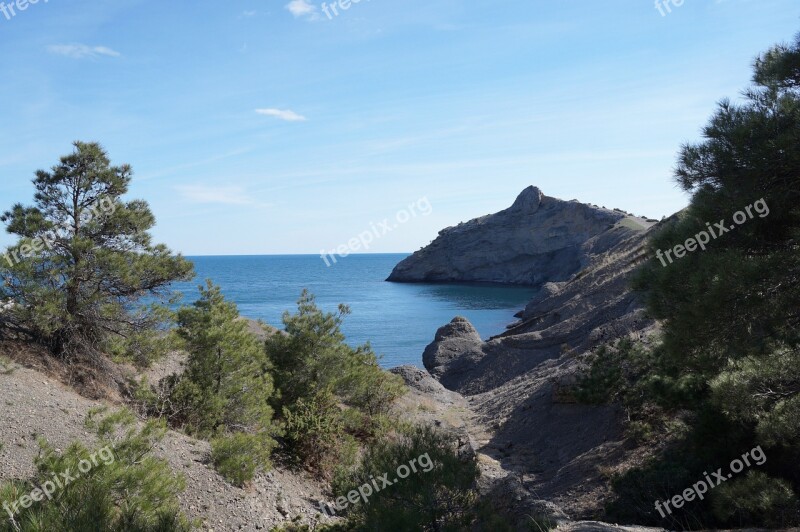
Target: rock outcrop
x,y
537,239
455,350
529,432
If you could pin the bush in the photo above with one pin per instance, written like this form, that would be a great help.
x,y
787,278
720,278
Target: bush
x,y
330,393
756,500
225,391
313,357
149,345
238,456
6,366
315,434
614,372
126,490
439,497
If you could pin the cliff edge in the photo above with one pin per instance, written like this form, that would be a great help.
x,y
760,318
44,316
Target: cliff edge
x,y
536,240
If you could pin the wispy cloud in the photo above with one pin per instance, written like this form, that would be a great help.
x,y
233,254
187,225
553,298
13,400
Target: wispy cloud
x,y
282,114
80,51
249,14
231,195
302,8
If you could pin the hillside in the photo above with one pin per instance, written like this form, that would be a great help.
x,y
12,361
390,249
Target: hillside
x,y
536,240
525,425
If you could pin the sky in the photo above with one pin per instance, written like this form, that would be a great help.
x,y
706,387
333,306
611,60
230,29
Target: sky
x,y
271,127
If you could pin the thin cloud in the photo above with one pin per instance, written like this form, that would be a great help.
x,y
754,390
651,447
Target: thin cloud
x,y
249,14
221,195
81,51
282,114
302,9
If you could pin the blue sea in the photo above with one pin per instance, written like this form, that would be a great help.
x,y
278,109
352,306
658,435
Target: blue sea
x,y
399,320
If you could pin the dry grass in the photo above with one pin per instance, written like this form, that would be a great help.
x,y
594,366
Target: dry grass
x,y
92,377
6,366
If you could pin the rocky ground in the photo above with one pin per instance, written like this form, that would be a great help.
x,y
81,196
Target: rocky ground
x,y
539,450
35,405
505,400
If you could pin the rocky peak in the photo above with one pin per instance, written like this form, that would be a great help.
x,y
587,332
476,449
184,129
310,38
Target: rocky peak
x,y
528,200
538,239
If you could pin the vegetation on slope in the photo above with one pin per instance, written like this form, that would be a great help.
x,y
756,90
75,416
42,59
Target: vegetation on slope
x,y
84,258
724,378
75,282
118,486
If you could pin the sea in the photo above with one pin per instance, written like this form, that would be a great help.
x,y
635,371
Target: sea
x,y
398,319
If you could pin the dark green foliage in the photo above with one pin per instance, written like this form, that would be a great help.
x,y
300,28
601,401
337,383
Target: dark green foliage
x,y
329,391
226,383
728,363
238,456
613,373
313,356
756,498
315,433
143,347
442,498
636,492
125,490
225,391
84,257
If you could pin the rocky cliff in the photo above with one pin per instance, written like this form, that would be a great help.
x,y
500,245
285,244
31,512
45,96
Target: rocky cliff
x,y
537,239
531,436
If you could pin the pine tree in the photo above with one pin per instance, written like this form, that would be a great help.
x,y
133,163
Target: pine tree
x,y
84,257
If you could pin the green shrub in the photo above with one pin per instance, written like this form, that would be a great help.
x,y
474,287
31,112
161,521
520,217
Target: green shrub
x,y
125,490
313,356
330,393
227,384
225,391
238,456
146,345
6,366
441,498
603,380
614,371
314,432
756,500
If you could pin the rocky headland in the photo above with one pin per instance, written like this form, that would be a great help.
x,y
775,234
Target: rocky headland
x,y
538,239
541,453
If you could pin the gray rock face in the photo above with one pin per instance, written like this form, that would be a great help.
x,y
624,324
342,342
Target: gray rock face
x,y
537,239
454,351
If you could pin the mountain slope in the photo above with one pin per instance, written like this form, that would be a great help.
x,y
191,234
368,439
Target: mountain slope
x,y
526,424
537,239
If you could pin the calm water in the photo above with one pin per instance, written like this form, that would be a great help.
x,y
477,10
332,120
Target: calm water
x,y
398,319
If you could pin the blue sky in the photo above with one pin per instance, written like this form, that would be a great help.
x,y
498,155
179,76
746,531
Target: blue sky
x,y
260,126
